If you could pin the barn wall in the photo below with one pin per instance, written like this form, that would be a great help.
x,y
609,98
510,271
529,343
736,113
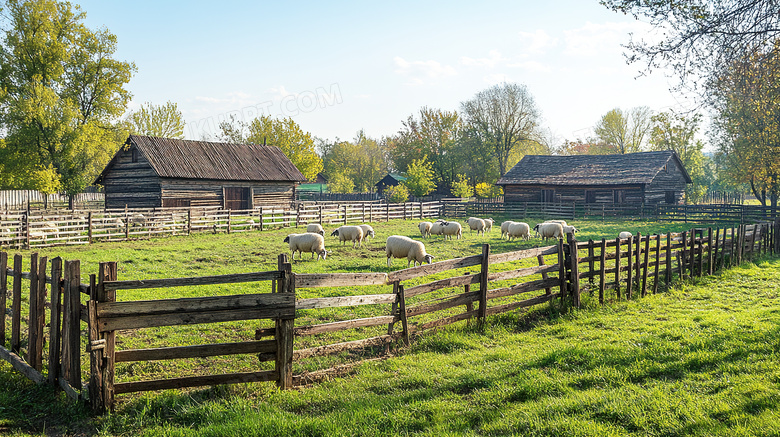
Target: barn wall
x,y
210,193
633,194
131,184
669,179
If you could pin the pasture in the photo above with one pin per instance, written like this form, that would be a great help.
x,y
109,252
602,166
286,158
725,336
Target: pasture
x,y
203,254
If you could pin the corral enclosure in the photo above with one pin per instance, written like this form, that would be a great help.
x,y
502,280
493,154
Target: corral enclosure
x,y
346,316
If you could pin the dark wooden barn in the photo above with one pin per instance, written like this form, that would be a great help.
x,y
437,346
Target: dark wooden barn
x,y
149,172
633,178
390,180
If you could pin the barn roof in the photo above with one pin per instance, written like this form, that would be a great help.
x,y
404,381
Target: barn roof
x,y
624,169
187,159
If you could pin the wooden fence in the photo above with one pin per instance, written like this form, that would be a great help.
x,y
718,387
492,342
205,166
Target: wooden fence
x,y
402,303
30,199
722,213
25,229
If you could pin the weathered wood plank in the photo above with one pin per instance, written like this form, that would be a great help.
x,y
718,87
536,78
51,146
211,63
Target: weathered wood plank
x,y
338,347
498,258
539,284
460,299
519,273
192,318
193,304
342,325
189,281
446,320
310,280
438,267
196,351
522,304
20,365
344,301
195,381
442,283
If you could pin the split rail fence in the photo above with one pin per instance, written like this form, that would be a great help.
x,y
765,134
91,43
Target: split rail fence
x,y
33,229
398,305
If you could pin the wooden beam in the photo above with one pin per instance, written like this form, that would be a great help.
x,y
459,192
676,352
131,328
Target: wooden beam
x,y
309,280
190,281
195,381
196,351
21,366
442,283
438,267
193,304
345,324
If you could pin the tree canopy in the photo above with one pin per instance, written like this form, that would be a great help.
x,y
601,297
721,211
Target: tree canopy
x,y
621,131
164,121
61,93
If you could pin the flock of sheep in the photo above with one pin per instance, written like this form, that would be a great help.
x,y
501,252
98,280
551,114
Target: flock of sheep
x,y
398,246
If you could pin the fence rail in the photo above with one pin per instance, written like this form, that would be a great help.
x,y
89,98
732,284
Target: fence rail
x,y
474,287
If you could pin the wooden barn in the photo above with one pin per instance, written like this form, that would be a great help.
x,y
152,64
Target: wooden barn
x,y
150,172
633,178
390,180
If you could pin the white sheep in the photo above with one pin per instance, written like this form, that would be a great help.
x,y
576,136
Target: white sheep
x,y
404,247
349,233
451,229
488,224
438,227
368,231
476,224
518,230
625,234
315,228
505,227
50,228
425,229
549,230
561,222
569,230
137,220
251,223
308,242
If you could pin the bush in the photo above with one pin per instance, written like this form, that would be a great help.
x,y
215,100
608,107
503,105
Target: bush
x,y
461,187
486,191
419,177
341,183
397,194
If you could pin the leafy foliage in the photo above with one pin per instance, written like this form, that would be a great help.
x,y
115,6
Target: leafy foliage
x,y
419,177
621,131
362,161
341,183
397,194
62,93
487,191
164,121
461,187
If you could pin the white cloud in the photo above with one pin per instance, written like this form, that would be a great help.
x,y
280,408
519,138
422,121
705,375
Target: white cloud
x,y
599,38
493,59
536,42
417,70
532,66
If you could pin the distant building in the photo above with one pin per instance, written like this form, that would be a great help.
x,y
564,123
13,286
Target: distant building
x,y
150,172
632,178
390,180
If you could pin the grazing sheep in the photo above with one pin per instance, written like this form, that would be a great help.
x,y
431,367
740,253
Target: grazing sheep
x,y
549,230
505,227
315,228
625,234
518,230
438,228
50,228
404,247
561,222
488,224
425,229
308,242
137,220
476,224
349,233
452,228
6,236
569,230
368,231
251,223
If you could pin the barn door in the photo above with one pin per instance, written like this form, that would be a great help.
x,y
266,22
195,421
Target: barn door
x,y
236,198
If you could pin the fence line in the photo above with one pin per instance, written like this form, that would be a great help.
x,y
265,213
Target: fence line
x,y
501,282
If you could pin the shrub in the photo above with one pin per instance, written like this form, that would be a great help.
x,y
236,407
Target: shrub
x,y
397,194
461,187
485,190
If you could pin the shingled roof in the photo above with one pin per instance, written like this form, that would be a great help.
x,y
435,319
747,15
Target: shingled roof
x,y
186,159
627,169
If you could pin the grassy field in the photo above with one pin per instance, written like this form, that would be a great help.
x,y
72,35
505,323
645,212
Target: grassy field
x,y
700,360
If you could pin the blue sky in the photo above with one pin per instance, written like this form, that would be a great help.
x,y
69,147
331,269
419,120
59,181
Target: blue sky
x,y
338,67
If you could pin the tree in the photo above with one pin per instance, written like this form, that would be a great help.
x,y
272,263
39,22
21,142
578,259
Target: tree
x,y
419,177
363,161
283,133
461,187
672,131
503,117
61,95
164,121
341,183
622,132
700,36
747,123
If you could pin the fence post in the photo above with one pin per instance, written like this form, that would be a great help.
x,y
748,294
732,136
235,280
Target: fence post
x,y
107,272
575,269
32,325
394,313
602,264
402,310
54,320
709,251
27,228
421,210
89,227
630,268
591,263
229,220
189,221
71,319
387,211
3,294
483,283
284,328
645,265
16,306
684,255
657,262
345,213
617,267
668,259
638,262
714,258
40,314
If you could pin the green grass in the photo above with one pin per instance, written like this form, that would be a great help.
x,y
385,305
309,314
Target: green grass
x,y
701,360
